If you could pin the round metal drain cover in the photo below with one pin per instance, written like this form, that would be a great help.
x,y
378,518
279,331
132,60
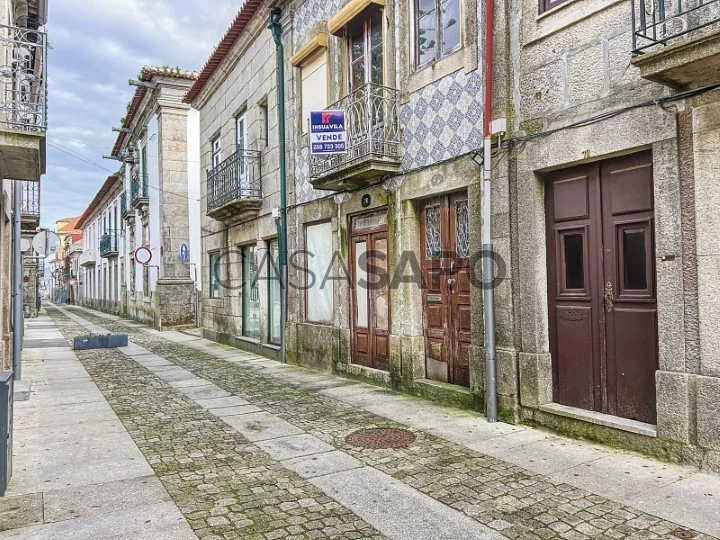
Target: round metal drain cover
x,y
380,438
683,533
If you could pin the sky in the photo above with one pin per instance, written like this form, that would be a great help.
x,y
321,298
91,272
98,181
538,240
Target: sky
x,y
95,47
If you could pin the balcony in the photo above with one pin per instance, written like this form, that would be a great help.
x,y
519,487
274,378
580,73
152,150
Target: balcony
x,y
139,192
373,141
109,245
126,210
677,42
30,201
234,188
73,248
23,102
87,258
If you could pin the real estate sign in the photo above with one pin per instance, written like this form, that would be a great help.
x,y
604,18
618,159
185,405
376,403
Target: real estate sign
x,y
327,132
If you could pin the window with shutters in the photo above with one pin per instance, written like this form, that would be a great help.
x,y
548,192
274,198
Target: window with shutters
x,y
314,92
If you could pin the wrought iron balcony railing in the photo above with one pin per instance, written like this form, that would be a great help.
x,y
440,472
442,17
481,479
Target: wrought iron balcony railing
x,y
236,178
371,117
87,258
109,244
657,23
123,202
23,79
138,189
30,196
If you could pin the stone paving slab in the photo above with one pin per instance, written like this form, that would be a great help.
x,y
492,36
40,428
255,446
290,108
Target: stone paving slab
x,y
294,446
519,501
322,464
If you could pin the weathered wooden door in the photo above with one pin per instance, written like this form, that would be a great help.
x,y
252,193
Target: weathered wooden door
x,y
446,293
369,253
601,286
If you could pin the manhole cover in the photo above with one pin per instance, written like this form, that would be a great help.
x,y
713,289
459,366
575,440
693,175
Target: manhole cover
x,y
378,438
682,533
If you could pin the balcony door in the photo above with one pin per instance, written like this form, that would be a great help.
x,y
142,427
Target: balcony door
x,y
241,143
365,46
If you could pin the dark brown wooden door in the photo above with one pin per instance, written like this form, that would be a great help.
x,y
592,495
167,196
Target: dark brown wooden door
x,y
446,293
601,286
369,254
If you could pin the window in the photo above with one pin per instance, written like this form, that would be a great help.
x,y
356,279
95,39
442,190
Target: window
x,y
265,123
216,151
214,273
574,261
314,96
546,5
318,239
273,293
437,30
143,158
365,44
250,294
241,143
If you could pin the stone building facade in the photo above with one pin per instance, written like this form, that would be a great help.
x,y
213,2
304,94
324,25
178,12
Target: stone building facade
x,y
604,216
152,202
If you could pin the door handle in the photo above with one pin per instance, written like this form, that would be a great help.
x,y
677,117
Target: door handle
x,y
609,296
451,282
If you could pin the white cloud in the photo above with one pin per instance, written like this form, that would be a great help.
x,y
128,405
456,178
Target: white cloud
x,y
96,46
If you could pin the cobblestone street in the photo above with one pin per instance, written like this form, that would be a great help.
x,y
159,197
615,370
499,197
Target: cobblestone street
x,y
244,447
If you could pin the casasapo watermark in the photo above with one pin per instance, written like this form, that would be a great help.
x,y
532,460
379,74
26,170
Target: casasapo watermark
x,y
372,270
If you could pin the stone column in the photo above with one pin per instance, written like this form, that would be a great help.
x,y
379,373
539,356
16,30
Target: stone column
x,y
175,290
706,151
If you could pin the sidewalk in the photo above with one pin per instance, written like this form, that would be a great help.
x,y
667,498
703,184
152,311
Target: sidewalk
x,y
223,438
76,471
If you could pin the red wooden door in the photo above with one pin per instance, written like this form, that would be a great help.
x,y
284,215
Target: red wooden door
x,y
369,256
601,286
446,293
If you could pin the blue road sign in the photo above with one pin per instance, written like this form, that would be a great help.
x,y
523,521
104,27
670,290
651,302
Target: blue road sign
x,y
184,252
327,132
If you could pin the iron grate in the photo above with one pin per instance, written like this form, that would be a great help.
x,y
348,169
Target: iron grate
x,y
683,533
381,438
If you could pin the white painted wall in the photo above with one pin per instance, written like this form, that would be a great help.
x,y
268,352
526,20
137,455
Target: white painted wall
x,y
194,180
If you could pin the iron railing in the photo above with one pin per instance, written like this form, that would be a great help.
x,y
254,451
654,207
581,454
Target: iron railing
x,y
138,188
371,122
87,258
30,196
657,23
74,247
123,202
108,243
23,83
237,177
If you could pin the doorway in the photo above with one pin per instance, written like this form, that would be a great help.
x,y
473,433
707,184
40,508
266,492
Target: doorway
x,y
369,251
601,286
445,253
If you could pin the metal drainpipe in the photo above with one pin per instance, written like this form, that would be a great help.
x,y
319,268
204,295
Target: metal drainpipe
x,y
17,281
488,269
276,29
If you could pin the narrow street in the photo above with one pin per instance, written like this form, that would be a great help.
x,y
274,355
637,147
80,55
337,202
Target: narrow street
x,y
178,437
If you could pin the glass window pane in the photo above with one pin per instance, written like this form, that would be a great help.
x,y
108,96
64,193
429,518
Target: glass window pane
x,y
358,47
376,66
450,25
462,230
425,6
250,294
381,293
574,261
274,293
358,74
426,37
433,244
634,259
320,296
214,270
361,299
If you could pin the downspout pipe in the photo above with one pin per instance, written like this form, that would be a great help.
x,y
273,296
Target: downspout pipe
x,y
17,282
488,269
276,28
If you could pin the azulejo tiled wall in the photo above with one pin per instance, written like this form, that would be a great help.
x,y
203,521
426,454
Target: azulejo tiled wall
x,y
310,12
442,120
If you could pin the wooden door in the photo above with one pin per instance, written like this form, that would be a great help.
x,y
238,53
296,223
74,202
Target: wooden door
x,y
369,257
446,292
601,286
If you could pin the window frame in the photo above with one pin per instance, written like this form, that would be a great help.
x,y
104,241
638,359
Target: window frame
x,y
270,320
319,278
213,278
215,151
439,54
368,49
546,5
246,291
